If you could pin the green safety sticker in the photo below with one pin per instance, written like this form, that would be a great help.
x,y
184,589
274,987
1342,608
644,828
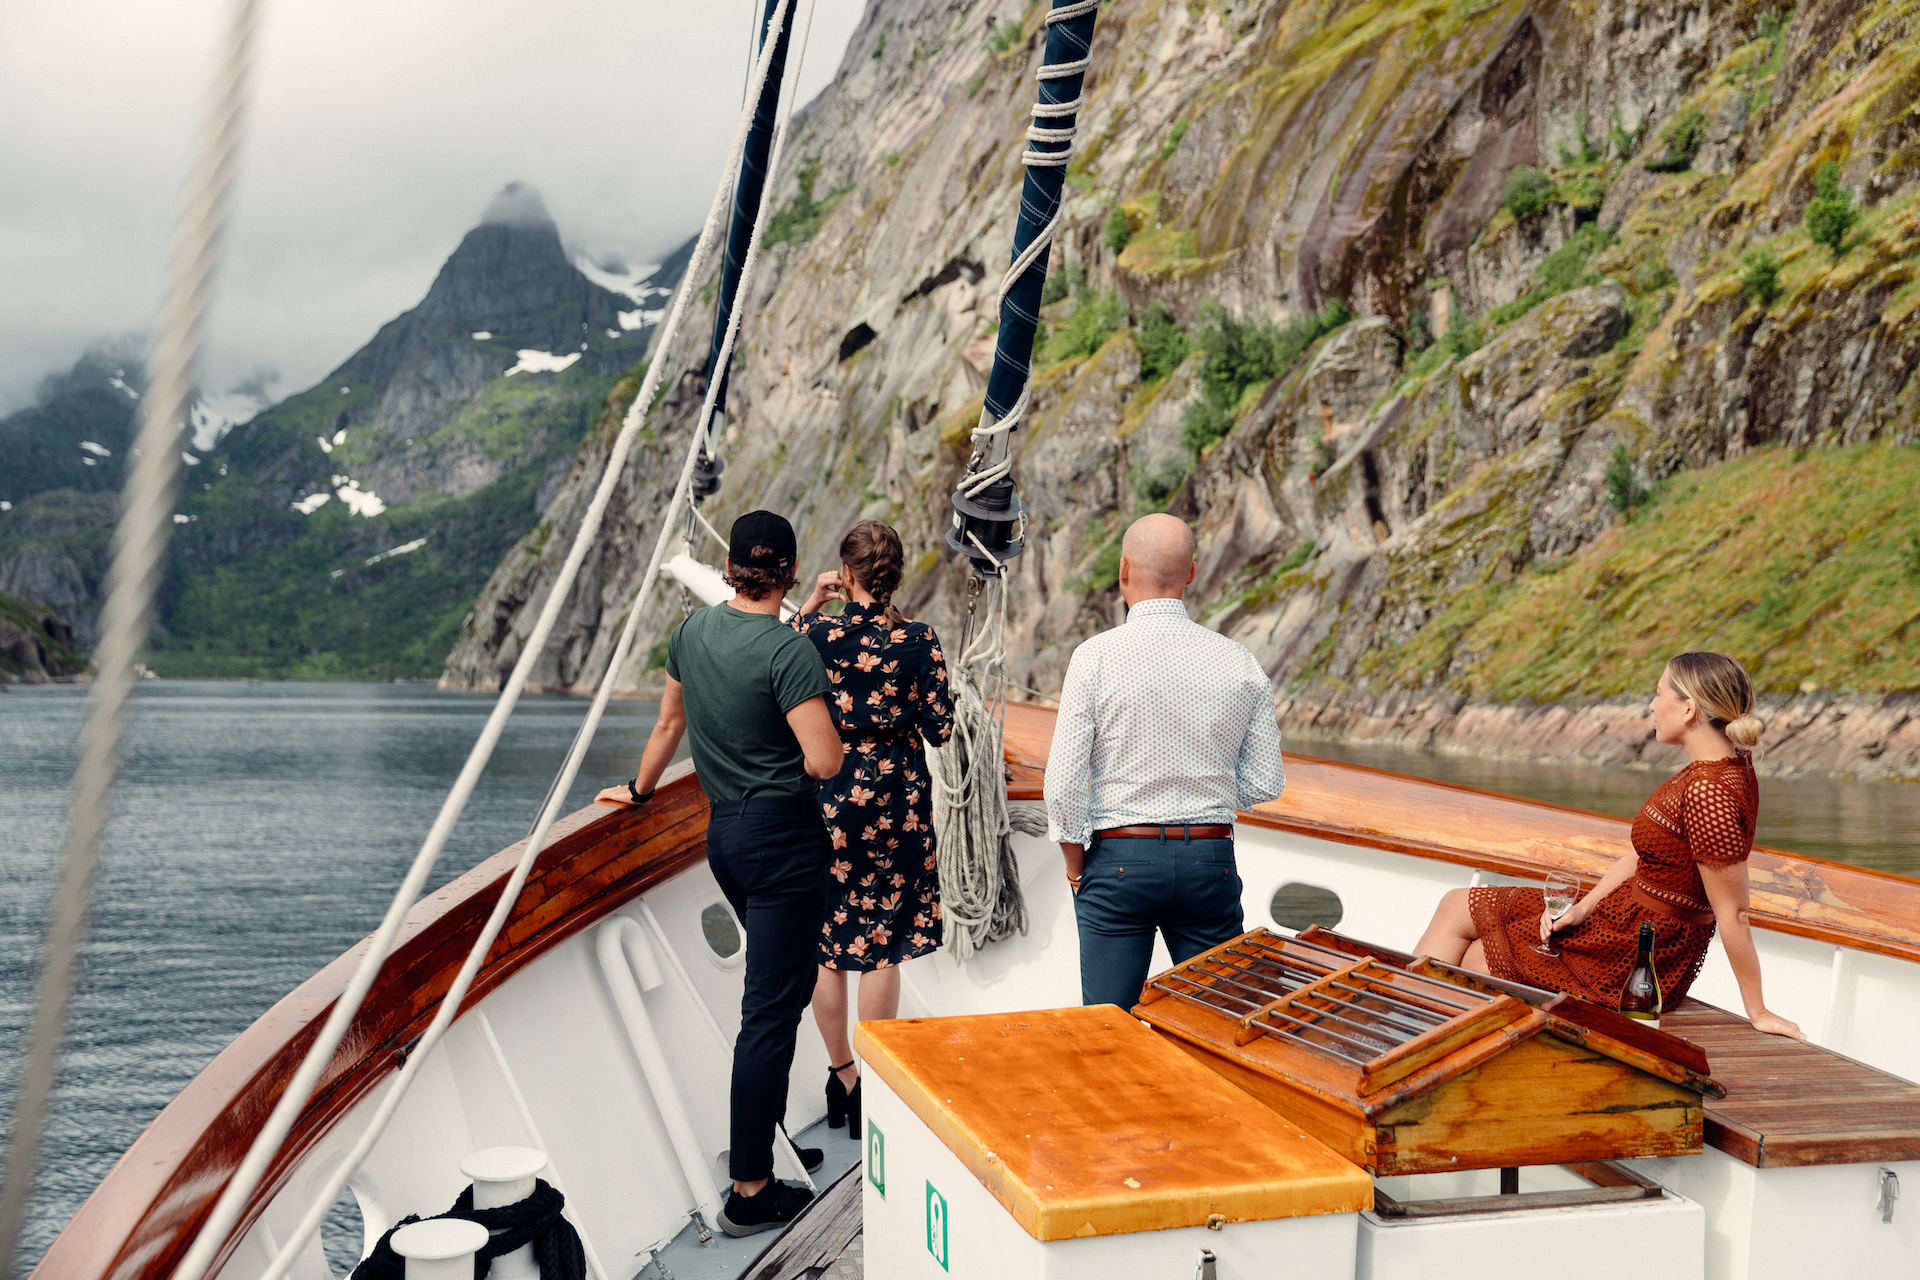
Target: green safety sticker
x,y
877,1158
937,1226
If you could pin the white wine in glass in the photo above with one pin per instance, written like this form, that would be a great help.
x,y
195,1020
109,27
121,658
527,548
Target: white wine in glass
x,y
1560,893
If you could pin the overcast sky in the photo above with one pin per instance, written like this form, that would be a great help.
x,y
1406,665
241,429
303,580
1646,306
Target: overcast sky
x,y
379,131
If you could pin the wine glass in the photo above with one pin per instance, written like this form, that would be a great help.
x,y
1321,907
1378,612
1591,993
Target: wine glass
x,y
1560,893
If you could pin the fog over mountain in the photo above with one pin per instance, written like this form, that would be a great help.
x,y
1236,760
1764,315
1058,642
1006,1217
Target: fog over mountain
x,y
376,134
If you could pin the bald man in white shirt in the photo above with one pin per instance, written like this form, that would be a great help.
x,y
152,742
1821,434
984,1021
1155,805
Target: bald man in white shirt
x,y
1165,728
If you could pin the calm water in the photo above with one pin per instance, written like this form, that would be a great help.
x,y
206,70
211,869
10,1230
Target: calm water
x,y
1870,824
259,830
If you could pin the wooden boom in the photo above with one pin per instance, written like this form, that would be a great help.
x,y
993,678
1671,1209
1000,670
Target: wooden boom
x,y
142,1216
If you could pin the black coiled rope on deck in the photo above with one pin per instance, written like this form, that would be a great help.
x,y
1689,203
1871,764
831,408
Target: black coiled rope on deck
x,y
535,1220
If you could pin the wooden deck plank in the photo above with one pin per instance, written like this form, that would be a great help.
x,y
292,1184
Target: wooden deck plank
x,y
818,1237
1790,1103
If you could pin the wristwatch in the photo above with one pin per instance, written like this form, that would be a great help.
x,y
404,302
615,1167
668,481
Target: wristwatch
x,y
634,791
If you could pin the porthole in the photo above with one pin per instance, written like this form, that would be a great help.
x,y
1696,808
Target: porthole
x,y
1295,906
722,934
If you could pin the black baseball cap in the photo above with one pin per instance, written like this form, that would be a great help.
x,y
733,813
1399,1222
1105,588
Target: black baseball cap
x,y
761,540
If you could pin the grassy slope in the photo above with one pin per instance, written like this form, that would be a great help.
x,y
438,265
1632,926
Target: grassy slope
x,y
311,607
1805,565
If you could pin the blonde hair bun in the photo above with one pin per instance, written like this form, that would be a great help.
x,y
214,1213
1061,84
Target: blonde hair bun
x,y
1720,688
1745,732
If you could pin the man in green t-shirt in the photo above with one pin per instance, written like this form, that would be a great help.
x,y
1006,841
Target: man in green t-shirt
x,y
749,694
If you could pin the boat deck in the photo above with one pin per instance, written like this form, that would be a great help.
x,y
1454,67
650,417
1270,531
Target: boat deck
x,y
1790,1103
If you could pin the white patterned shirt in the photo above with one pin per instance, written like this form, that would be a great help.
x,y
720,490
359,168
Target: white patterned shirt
x,y
1161,721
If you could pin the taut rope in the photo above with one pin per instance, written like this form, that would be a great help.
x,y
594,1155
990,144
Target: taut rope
x,y
139,546
227,1211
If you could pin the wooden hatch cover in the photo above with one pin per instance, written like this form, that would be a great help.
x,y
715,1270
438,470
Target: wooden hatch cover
x,y
1402,1067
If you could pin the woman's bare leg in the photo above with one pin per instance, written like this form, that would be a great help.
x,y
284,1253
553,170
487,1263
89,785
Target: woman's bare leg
x,y
1452,935
830,1016
880,994
1476,958
879,999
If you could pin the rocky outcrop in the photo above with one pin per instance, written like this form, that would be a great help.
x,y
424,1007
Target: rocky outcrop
x,y
1821,735
1274,156
36,645
54,551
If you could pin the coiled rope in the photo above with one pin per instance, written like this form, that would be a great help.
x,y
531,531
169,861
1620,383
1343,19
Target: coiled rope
x,y
980,892
233,1199
534,1221
139,547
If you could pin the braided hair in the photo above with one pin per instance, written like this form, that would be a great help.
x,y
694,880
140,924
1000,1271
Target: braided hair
x,y
873,551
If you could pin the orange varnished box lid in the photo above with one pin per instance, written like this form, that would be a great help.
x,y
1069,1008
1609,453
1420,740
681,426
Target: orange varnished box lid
x,y
1083,1122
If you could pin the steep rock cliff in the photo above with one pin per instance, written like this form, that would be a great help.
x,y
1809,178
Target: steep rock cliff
x,y
1363,505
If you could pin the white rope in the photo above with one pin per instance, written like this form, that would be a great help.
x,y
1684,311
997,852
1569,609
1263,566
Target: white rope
x,y
226,1212
449,1007
980,896
140,544
986,434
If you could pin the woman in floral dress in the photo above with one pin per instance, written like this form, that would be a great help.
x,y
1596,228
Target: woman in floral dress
x,y
1686,871
889,690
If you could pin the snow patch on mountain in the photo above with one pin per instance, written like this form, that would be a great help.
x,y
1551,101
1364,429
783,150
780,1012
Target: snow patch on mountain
x,y
532,361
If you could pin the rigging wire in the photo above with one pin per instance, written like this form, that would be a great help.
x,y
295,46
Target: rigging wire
x,y
449,1005
140,543
226,1211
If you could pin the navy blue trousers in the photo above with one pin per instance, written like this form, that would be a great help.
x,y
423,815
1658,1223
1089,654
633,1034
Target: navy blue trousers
x,y
1187,889
770,856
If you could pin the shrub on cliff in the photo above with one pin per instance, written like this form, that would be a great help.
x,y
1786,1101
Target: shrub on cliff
x,y
800,218
1528,192
1760,277
1242,353
1096,317
1118,231
1684,135
1069,280
1163,343
1624,490
1830,214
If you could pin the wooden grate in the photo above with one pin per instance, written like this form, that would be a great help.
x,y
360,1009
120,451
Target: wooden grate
x,y
1364,1011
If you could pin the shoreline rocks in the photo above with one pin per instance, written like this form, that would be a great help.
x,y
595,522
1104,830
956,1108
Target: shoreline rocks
x,y
1819,734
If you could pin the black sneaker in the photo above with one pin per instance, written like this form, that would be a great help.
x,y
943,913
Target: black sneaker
x,y
777,1204
811,1158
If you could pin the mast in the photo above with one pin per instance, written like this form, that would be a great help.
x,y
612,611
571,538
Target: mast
x,y
989,517
748,189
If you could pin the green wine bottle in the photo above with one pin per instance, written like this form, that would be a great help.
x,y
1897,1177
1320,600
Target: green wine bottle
x,y
1640,997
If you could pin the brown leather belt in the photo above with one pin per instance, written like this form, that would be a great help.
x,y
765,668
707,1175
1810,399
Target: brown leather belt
x,y
1176,831
1658,901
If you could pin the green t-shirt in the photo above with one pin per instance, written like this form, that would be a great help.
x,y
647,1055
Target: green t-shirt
x,y
740,673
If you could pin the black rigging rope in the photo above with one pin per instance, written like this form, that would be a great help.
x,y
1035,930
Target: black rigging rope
x,y
535,1221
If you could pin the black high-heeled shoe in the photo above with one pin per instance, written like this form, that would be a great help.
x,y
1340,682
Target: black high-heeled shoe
x,y
853,1111
837,1097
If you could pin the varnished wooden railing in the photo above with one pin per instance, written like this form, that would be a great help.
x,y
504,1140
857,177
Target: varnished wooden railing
x,y
140,1219
1350,804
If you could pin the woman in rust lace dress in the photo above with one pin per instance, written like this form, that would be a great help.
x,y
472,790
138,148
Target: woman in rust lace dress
x,y
1686,871
889,690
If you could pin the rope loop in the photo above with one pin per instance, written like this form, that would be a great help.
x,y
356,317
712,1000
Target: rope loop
x,y
535,1221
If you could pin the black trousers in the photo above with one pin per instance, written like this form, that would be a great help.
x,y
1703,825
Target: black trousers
x,y
770,856
1187,889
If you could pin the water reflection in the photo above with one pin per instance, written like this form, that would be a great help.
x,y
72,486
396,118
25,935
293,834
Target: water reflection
x,y
258,831
1870,824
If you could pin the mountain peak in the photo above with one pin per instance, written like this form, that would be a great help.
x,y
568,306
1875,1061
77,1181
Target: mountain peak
x,y
518,205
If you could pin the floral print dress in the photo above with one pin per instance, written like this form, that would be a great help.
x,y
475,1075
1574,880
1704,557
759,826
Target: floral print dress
x,y
889,689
